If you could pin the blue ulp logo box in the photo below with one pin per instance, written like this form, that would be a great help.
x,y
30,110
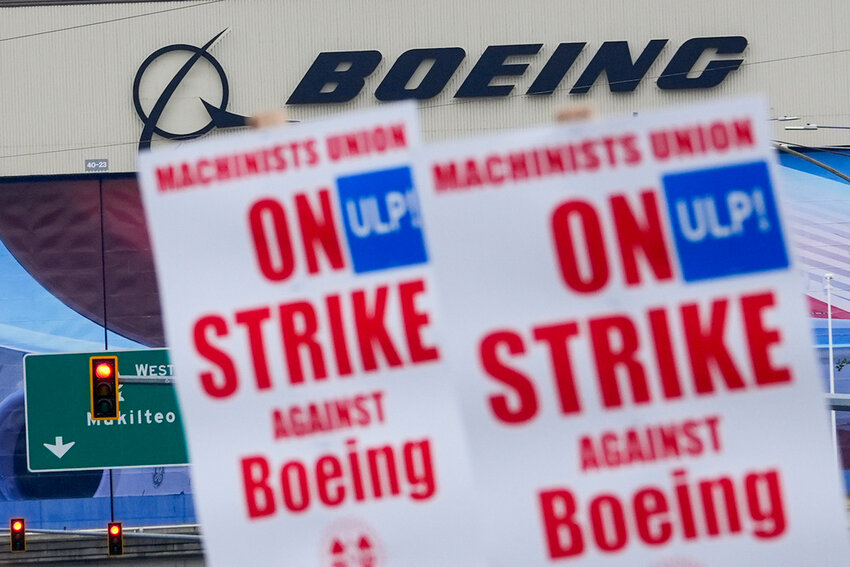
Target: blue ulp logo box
x,y
725,221
383,223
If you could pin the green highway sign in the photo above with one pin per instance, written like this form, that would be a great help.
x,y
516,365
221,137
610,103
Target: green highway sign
x,y
61,434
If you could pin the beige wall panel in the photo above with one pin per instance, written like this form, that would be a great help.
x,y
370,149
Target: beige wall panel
x,y
66,72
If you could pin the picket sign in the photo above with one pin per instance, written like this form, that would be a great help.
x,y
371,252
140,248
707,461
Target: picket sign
x,y
299,308
627,334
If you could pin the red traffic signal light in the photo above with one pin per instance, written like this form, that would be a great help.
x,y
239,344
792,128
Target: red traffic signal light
x,y
18,534
104,387
103,370
115,538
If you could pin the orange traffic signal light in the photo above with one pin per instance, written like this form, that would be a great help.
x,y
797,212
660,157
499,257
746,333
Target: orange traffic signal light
x,y
115,538
104,387
18,534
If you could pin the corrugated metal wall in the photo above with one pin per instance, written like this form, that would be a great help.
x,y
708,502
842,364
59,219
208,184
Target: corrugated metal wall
x,y
66,72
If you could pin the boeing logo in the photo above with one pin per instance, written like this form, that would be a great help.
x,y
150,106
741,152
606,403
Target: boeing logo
x,y
209,116
339,76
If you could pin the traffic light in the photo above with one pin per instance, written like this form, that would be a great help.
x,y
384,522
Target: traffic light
x,y
18,534
104,387
115,538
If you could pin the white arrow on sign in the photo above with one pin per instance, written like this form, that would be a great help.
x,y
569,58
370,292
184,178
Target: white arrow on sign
x,y
59,449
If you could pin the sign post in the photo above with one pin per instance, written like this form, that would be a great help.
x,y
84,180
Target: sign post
x,y
299,308
63,435
629,339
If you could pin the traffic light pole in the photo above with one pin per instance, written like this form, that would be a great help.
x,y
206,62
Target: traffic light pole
x,y
139,533
111,499
151,380
122,379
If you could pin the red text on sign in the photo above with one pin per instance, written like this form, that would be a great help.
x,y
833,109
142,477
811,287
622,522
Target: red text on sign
x,y
359,475
653,516
311,338
645,444
496,169
207,170
623,369
274,244
359,143
580,243
299,420
717,137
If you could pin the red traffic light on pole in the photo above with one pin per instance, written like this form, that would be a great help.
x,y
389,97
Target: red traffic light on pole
x,y
104,387
115,538
18,534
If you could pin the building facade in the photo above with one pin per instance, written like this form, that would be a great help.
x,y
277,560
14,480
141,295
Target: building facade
x,y
85,86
